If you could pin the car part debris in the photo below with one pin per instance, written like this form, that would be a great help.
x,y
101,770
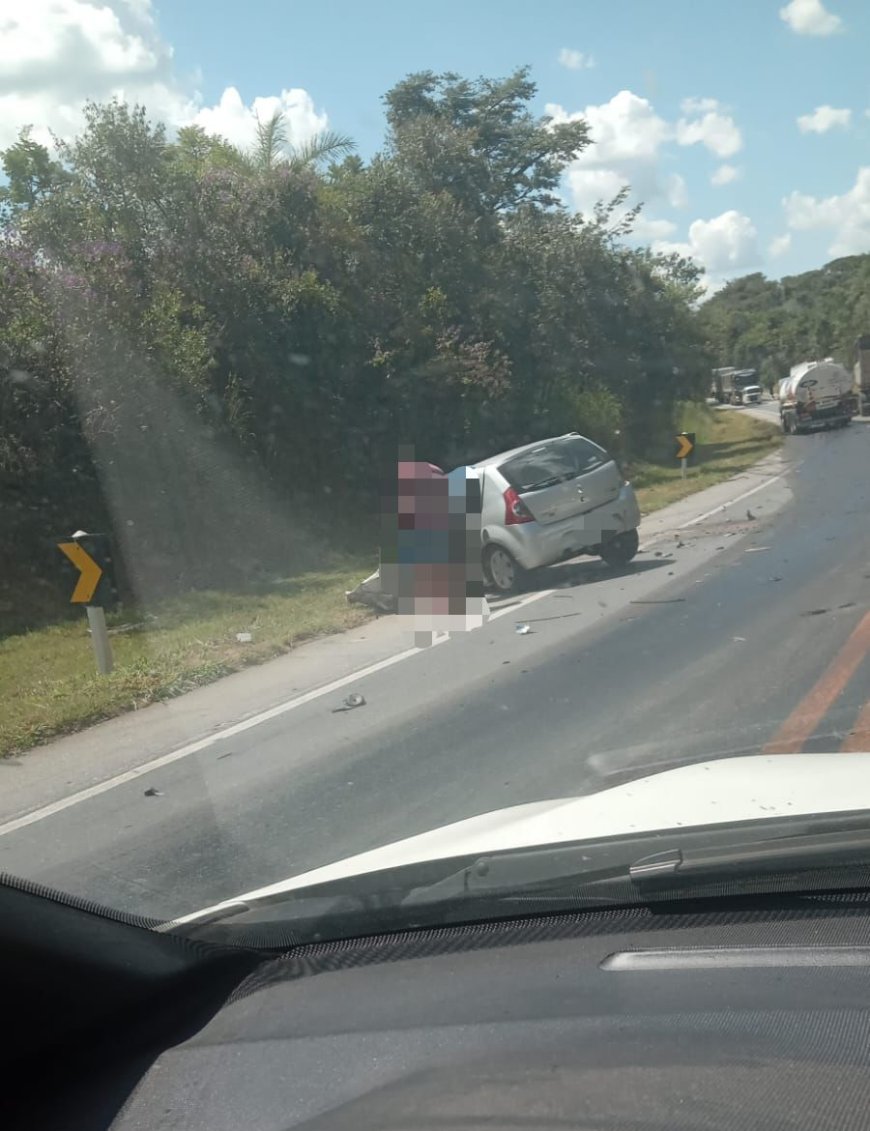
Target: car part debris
x,y
370,593
523,629
152,792
350,702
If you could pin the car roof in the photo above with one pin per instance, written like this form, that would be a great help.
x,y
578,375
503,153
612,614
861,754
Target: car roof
x,y
501,457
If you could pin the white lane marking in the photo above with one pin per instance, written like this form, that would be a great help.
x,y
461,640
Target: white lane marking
x,y
290,705
237,728
731,502
209,740
515,606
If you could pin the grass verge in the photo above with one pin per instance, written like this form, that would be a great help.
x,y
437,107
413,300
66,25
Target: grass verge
x,y
728,442
47,678
50,686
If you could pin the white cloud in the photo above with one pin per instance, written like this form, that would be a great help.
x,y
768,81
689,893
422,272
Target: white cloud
x,y
810,17
627,135
56,54
723,245
575,60
237,122
724,175
706,122
653,230
699,105
822,119
624,129
847,216
779,245
629,146
676,191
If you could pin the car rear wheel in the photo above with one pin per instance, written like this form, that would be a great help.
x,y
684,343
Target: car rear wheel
x,y
620,550
502,570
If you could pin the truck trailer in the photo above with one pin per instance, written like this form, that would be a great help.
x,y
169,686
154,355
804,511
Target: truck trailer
x,y
728,384
861,386
816,395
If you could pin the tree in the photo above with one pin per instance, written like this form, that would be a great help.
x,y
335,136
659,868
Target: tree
x,y
771,326
478,140
273,148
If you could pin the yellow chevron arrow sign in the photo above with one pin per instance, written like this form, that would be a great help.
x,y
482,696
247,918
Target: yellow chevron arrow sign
x,y
685,445
89,572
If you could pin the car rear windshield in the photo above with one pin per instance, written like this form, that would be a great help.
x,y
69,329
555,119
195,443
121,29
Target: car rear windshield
x,y
553,462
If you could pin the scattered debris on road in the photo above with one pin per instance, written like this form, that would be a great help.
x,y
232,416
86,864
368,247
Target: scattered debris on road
x,y
750,516
152,792
350,702
523,629
662,601
756,549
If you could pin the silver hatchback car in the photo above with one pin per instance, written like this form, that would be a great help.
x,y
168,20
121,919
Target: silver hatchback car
x,y
549,501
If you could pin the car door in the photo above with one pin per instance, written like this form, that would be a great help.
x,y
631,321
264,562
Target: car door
x,y
563,477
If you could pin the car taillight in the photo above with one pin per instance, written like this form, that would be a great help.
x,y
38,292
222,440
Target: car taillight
x,y
515,510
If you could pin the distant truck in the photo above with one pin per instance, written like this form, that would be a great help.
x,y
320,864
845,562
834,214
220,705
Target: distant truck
x,y
861,385
728,384
816,395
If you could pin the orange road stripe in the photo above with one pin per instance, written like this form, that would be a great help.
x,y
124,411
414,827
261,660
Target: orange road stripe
x,y
859,740
804,719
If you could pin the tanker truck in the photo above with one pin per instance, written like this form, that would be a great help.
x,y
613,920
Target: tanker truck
x,y
816,395
861,386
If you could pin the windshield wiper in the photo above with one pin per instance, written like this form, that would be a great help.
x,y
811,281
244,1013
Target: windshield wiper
x,y
542,484
546,871
808,853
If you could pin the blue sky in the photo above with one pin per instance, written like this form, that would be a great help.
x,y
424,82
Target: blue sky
x,y
678,94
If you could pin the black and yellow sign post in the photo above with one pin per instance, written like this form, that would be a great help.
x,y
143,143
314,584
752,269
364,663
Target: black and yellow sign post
x,y
95,588
684,450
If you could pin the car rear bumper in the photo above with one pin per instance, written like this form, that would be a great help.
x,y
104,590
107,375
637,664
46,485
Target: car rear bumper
x,y
534,544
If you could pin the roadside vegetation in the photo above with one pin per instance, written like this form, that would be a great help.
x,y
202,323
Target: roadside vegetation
x,y
727,444
772,324
48,678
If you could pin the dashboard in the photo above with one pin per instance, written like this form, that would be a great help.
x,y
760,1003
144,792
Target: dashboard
x,y
750,1013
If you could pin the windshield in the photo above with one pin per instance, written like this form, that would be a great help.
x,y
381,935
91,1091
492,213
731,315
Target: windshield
x,y
407,448
554,462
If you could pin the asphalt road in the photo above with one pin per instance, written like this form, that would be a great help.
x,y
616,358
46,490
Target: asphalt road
x,y
745,631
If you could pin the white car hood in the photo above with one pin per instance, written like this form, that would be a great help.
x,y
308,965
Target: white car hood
x,y
704,793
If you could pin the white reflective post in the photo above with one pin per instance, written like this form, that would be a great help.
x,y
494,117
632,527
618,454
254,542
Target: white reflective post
x,y
100,639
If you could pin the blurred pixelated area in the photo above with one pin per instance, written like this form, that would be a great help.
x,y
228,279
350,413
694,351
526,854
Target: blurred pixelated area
x,y
430,565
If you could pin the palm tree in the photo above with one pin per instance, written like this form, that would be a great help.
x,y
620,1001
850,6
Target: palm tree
x,y
273,149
